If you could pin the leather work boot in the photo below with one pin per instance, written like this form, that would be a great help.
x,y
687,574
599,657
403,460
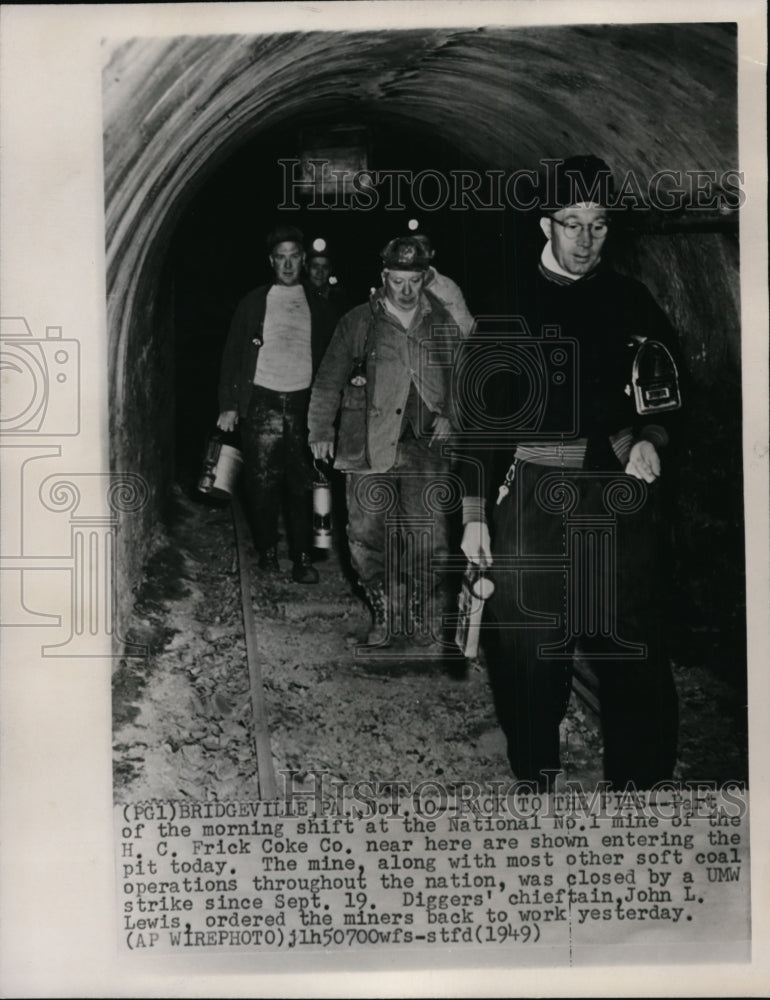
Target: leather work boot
x,y
303,570
268,561
379,633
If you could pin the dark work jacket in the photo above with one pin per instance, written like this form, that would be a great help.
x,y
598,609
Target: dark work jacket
x,y
239,360
572,381
336,298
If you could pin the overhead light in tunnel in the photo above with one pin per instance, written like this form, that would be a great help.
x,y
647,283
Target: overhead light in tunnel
x,y
413,224
334,162
319,244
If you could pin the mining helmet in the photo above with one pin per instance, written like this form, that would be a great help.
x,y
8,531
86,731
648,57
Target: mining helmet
x,y
406,253
425,243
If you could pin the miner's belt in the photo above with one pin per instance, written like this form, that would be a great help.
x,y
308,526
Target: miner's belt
x,y
568,455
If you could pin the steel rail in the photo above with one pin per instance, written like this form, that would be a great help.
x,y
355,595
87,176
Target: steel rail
x,y
265,770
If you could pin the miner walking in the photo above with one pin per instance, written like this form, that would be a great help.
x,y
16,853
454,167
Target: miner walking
x,y
395,418
277,337
564,495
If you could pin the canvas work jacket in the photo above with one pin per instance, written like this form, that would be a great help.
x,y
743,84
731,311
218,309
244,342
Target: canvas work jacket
x,y
371,340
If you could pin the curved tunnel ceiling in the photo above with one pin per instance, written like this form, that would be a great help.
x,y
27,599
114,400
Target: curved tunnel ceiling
x,y
646,97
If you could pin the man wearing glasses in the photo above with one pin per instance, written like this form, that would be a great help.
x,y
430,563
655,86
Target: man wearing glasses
x,y
567,486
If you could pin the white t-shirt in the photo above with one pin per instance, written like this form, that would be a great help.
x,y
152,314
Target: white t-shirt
x,y
285,362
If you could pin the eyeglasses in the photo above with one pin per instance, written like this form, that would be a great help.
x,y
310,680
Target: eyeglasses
x,y
571,229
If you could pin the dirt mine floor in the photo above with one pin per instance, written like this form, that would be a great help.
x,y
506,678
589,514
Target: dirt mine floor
x,y
182,713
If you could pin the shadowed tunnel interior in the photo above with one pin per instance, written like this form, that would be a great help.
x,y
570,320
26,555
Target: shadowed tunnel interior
x,y
195,128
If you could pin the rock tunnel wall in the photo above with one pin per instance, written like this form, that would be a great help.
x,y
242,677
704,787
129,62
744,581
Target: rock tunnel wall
x,y
645,97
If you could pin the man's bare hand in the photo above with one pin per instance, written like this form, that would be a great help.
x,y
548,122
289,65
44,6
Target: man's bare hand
x,y
227,420
322,450
644,462
441,430
476,545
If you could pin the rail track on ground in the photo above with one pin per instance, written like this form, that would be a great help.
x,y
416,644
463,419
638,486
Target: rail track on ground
x,y
585,684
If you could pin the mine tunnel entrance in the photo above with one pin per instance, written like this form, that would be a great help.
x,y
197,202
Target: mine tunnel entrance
x,y
215,256
194,129
178,270
217,253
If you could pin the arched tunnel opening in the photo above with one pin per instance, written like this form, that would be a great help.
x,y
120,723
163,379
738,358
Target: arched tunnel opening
x,y
199,140
217,252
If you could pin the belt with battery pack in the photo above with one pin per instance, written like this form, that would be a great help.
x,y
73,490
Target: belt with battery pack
x,y
654,386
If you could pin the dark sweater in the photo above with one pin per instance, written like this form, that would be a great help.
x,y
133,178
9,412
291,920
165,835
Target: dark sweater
x,y
570,383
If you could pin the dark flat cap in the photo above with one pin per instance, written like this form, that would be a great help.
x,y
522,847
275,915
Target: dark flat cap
x,y
576,180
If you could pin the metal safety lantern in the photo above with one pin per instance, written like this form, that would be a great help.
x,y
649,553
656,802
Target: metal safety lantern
x,y
221,465
655,379
322,511
476,588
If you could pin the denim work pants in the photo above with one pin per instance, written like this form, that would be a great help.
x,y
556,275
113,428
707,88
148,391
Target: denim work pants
x,y
276,456
583,568
397,528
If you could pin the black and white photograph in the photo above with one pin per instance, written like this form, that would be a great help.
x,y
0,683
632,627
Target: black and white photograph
x,y
384,508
